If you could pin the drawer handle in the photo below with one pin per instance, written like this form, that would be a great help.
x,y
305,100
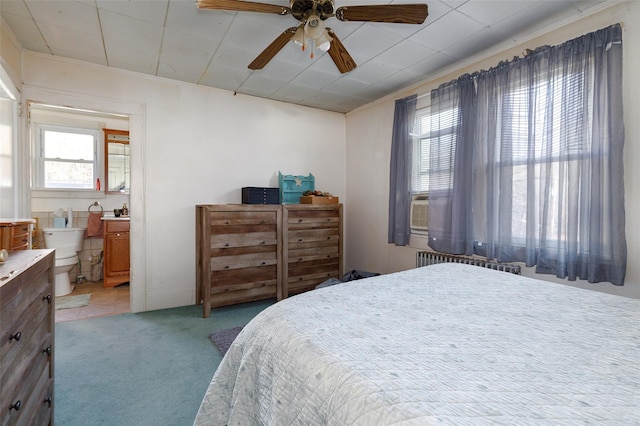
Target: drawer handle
x,y
299,240
16,406
300,260
16,336
226,222
328,238
263,263
263,221
47,298
47,350
263,242
300,279
48,401
226,267
226,244
299,220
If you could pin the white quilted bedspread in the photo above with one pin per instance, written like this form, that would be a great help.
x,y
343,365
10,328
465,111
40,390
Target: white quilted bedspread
x,y
443,344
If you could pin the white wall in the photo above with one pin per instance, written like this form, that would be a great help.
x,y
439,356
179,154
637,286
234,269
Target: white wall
x,y
369,146
191,145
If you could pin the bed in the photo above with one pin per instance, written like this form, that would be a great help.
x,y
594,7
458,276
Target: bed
x,y
442,344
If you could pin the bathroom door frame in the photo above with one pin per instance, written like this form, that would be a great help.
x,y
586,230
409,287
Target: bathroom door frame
x,y
137,197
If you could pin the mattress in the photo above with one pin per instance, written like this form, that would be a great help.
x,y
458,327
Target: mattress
x,y
443,344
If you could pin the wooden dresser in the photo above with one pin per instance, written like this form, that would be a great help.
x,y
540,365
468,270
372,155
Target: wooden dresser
x,y
312,248
15,234
248,252
116,252
237,253
27,338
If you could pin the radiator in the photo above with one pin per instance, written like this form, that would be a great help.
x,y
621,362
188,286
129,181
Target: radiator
x,y
426,258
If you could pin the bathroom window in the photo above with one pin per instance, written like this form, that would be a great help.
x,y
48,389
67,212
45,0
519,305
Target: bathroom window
x,y
66,158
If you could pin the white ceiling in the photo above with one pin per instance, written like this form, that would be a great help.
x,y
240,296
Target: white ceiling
x,y
176,40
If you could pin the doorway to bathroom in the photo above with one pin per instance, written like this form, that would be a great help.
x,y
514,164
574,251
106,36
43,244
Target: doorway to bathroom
x,y
70,172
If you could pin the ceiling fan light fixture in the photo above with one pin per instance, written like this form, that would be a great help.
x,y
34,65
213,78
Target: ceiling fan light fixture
x,y
299,39
314,27
324,41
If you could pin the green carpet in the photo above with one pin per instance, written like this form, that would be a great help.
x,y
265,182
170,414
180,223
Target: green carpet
x,y
151,368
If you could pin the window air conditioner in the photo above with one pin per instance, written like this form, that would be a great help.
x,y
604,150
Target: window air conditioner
x,y
419,212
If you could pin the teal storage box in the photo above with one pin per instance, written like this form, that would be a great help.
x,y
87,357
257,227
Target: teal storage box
x,y
292,187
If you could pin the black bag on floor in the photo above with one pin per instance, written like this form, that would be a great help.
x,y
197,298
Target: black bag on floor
x,y
349,276
357,275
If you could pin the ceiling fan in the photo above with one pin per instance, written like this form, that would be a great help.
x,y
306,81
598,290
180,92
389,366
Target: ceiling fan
x,y
312,14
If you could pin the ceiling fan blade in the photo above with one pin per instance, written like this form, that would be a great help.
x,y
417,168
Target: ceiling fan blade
x,y
392,13
273,49
339,54
242,6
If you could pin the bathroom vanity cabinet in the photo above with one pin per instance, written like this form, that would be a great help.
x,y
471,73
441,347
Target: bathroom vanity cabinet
x,y
116,252
248,252
15,234
27,338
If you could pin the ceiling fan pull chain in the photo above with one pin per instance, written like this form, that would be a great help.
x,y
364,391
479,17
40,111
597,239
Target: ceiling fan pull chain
x,y
304,39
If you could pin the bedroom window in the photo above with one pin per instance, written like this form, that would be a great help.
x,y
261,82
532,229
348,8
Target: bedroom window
x,y
532,169
66,158
421,137
424,172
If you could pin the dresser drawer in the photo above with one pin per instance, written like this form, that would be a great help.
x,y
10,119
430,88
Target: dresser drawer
x,y
112,226
313,219
247,218
33,362
306,276
313,236
20,238
243,285
34,294
34,403
249,260
26,333
248,239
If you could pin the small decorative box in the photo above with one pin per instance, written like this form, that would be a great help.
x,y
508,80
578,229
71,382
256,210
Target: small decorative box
x,y
257,195
292,187
314,199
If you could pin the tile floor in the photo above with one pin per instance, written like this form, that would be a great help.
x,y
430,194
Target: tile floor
x,y
103,302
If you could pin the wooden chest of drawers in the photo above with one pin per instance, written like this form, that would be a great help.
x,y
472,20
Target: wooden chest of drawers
x,y
312,246
238,250
15,234
250,252
27,338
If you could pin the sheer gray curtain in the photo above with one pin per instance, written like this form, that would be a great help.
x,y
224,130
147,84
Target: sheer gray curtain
x,y
400,175
536,165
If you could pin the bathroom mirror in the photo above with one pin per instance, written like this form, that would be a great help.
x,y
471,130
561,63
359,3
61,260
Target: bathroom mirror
x,y
117,161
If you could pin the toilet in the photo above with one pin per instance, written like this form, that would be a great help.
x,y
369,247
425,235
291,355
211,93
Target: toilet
x,y
67,242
